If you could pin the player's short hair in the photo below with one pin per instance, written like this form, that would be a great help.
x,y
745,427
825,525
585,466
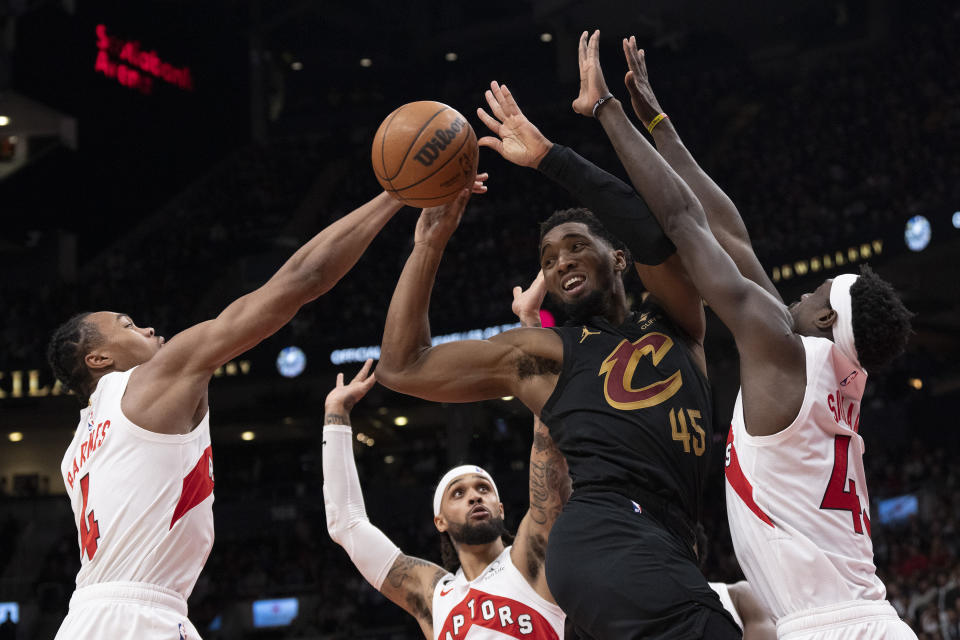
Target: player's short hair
x,y
881,323
580,214
68,347
448,553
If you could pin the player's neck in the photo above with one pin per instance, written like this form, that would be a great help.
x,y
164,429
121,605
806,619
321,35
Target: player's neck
x,y
474,558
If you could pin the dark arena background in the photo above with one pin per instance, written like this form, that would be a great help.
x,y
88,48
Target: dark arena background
x,y
167,190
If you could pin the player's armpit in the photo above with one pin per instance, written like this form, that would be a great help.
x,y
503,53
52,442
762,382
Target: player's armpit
x,y
670,285
410,585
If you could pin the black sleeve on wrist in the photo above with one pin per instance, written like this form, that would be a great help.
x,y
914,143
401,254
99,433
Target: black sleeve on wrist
x,y
615,203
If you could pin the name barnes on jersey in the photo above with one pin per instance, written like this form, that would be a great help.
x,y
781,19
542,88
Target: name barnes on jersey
x,y
87,447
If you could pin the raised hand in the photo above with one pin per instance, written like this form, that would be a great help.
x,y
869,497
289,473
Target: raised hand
x,y
592,85
343,398
644,101
526,304
515,138
437,224
478,183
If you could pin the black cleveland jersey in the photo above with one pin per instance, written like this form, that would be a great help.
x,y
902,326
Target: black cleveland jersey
x,y
631,411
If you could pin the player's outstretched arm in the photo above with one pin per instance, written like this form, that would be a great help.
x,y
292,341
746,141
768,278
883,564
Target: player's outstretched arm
x,y
550,485
511,363
616,204
772,361
757,623
165,392
407,581
722,214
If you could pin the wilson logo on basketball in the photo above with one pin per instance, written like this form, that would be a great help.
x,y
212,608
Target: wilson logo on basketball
x,y
430,151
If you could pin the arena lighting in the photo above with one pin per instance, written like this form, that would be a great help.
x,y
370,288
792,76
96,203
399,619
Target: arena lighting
x,y
369,442
450,56
297,66
4,121
916,383
917,233
366,62
956,219
291,362
15,436
247,436
389,459
362,437
360,354
827,260
401,421
546,37
507,398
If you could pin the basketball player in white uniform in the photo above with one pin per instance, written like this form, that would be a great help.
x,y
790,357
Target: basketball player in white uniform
x,y
139,471
796,492
499,590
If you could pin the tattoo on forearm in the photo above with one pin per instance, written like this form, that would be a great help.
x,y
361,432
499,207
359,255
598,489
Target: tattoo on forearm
x,y
529,366
337,418
403,577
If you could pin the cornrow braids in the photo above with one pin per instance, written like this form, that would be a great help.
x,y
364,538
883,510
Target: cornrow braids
x,y
881,322
68,347
593,223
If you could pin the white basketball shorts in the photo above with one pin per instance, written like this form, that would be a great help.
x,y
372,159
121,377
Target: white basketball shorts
x,y
857,620
127,611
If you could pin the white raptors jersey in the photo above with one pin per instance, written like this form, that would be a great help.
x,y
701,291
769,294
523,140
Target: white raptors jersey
x,y
797,500
142,501
498,604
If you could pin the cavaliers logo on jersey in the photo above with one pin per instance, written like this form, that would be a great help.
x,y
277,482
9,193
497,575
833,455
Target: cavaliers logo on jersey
x,y
620,366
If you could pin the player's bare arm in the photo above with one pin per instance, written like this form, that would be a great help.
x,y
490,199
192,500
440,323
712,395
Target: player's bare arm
x,y
168,392
410,581
550,484
757,623
722,213
772,356
519,141
522,362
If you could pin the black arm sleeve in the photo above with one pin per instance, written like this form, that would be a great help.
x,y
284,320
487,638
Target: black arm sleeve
x,y
621,209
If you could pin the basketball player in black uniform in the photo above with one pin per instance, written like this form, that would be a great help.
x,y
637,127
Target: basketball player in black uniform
x,y
623,392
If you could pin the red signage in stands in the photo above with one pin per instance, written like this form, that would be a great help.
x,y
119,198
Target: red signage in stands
x,y
125,62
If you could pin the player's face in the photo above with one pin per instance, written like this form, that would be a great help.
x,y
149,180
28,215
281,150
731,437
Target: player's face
x,y
126,344
578,265
812,312
471,511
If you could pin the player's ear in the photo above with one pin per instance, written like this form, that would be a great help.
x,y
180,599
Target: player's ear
x,y
98,360
825,319
440,523
619,261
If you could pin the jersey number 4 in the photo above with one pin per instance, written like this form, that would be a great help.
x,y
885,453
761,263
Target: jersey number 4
x,y
840,497
89,527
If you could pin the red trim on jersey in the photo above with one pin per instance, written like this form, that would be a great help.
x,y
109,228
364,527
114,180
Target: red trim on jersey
x,y
196,486
739,482
497,613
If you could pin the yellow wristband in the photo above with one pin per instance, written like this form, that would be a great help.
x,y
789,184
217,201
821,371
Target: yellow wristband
x,y
655,122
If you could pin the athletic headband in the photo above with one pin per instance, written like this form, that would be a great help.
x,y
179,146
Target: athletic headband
x,y
843,327
452,475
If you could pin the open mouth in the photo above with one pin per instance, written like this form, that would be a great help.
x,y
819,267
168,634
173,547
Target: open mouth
x,y
573,283
479,513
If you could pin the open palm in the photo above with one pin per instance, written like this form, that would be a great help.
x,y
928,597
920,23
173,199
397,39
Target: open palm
x,y
516,138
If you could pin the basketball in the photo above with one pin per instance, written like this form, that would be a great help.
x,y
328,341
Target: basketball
x,y
424,153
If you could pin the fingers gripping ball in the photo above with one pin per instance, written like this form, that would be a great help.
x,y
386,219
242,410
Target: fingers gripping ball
x,y
424,153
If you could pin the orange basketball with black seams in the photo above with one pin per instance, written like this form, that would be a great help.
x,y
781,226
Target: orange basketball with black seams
x,y
424,153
